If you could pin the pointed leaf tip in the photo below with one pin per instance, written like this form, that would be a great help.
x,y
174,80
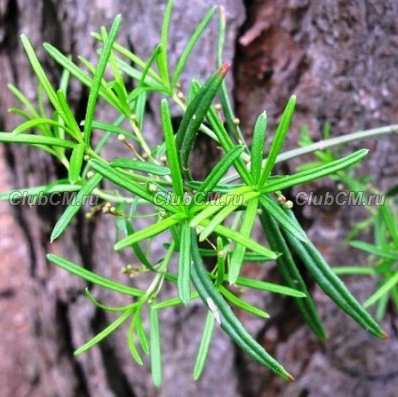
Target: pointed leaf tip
x,y
224,68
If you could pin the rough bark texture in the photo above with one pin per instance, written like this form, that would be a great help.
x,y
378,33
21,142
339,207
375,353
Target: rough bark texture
x,y
339,58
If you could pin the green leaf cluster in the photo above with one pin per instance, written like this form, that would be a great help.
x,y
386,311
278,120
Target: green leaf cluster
x,y
199,225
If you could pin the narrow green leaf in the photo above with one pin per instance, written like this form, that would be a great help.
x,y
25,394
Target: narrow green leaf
x,y
59,186
257,151
24,100
78,73
104,307
220,169
355,270
131,343
75,206
278,141
209,209
68,117
224,213
233,127
191,44
97,79
147,68
239,250
40,73
236,301
151,79
93,277
184,264
227,144
221,259
141,334
171,150
155,347
194,115
390,222
226,318
282,218
384,289
128,229
374,250
38,123
142,166
292,276
163,56
315,173
204,345
76,162
173,302
127,183
332,285
270,287
148,232
247,242
114,129
30,139
103,334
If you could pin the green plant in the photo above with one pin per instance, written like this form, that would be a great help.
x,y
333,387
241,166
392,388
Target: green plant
x,y
160,176
381,221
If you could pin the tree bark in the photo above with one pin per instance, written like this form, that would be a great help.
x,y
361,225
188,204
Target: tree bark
x,y
339,58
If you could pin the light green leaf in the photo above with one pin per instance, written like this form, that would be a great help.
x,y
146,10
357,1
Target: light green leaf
x,y
184,264
155,347
374,250
271,287
224,213
315,173
76,162
138,165
93,277
257,150
97,79
171,150
382,290
127,183
204,345
131,343
239,250
148,232
40,73
278,140
247,242
60,186
103,334
75,206
72,127
162,59
242,304
141,333
30,139
220,169
190,46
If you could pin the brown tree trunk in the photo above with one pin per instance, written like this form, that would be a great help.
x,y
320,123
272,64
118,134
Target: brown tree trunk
x,y
339,58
